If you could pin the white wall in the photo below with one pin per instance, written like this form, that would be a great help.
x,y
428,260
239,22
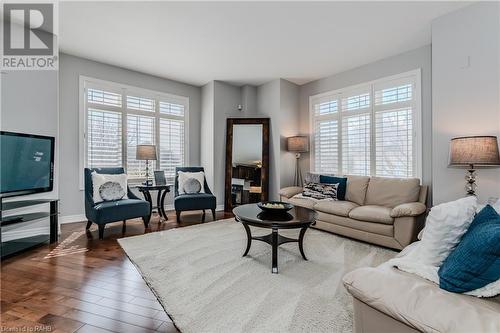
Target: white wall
x,y
418,58
207,132
70,68
466,93
279,101
29,104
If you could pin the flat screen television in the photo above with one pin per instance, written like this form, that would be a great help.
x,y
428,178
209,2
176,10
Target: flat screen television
x,y
26,164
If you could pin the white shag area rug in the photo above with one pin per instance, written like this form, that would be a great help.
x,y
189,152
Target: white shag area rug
x,y
205,285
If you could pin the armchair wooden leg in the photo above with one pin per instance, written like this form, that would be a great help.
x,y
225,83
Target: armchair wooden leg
x,y
146,219
203,216
101,231
213,213
89,223
124,226
178,213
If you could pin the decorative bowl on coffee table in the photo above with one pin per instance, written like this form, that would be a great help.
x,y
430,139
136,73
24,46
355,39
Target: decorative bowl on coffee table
x,y
275,206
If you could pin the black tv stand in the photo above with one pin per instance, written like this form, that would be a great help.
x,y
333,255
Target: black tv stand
x,y
13,246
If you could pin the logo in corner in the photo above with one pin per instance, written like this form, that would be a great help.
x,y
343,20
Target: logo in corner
x,y
29,36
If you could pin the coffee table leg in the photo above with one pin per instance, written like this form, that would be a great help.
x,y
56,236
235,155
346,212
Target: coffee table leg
x,y
275,250
249,238
301,242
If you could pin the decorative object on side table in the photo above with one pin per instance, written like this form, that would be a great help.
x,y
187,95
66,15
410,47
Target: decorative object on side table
x,y
160,177
474,152
146,153
298,144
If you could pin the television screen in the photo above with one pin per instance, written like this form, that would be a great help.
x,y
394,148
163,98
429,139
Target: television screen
x,y
26,164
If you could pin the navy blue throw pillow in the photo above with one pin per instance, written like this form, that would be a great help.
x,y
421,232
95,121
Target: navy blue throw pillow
x,y
342,181
475,262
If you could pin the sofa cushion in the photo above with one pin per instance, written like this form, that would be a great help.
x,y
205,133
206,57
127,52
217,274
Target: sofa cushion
x,y
372,213
111,211
414,301
390,192
341,208
356,189
374,228
302,202
194,201
342,181
475,262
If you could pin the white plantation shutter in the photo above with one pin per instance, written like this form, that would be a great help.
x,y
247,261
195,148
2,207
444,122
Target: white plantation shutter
x,y
394,146
172,108
140,131
368,130
141,104
104,137
326,148
356,144
103,97
171,146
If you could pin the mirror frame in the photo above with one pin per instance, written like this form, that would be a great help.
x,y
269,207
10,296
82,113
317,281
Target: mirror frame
x,y
264,196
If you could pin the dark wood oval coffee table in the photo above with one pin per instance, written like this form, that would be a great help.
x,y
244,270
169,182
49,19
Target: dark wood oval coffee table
x,y
296,218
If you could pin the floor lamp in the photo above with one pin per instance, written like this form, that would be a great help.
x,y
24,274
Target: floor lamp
x,y
297,144
474,152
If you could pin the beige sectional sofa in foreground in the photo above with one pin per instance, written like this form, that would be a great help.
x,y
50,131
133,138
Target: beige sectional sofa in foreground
x,y
384,211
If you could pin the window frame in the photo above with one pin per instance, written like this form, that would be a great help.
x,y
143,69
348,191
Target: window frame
x,y
415,75
86,82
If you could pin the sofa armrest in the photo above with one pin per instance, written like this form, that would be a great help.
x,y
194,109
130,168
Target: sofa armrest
x,y
289,192
408,209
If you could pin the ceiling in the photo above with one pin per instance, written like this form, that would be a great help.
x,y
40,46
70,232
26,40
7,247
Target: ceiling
x,y
245,42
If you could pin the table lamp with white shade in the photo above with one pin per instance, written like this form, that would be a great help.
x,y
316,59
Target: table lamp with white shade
x,y
146,153
474,152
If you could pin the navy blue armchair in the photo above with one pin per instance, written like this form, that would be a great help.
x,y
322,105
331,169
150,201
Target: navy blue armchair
x,y
197,201
112,211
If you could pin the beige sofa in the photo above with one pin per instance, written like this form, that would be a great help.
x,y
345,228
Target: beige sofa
x,y
384,211
388,300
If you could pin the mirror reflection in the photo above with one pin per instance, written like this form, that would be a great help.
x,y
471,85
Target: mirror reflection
x,y
246,180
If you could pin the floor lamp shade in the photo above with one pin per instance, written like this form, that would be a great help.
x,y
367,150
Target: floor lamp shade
x,y
472,152
297,144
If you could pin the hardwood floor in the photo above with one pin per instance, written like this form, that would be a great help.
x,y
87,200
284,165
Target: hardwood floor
x,y
83,284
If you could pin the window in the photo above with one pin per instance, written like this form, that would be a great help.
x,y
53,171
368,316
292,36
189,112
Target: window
x,y
371,129
116,118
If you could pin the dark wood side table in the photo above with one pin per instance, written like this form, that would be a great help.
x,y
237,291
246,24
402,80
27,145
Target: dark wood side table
x,y
160,199
297,218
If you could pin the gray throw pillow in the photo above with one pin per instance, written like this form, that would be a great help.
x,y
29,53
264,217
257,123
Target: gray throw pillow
x,y
111,191
320,191
191,186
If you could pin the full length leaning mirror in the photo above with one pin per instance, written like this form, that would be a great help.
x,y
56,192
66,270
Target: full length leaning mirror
x,y
247,161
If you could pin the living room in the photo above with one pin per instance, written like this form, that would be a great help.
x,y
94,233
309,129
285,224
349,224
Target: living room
x,y
250,166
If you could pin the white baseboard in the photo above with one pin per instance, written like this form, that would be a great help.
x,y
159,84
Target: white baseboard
x,y
72,218
83,218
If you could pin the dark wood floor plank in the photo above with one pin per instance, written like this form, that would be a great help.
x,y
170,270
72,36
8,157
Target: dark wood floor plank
x,y
104,322
61,324
92,329
133,308
115,314
98,291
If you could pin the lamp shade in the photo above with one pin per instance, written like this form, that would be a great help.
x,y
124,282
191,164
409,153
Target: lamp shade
x,y
298,144
474,150
146,152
